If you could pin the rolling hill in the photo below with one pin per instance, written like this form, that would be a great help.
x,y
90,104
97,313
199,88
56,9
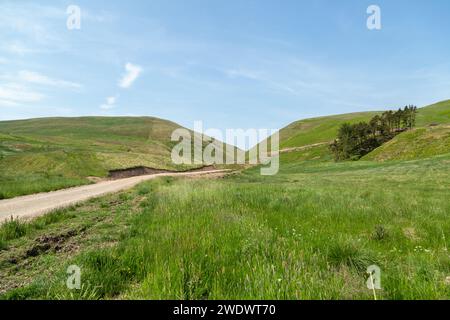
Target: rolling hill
x,y
324,129
438,113
317,132
51,153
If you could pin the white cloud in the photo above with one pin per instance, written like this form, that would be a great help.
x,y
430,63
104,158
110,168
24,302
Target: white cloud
x,y
8,103
17,47
111,100
110,103
133,72
243,73
260,77
106,107
37,78
30,28
15,94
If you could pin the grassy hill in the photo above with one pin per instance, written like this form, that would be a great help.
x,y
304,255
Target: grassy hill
x,y
438,113
430,138
324,129
316,130
416,144
52,153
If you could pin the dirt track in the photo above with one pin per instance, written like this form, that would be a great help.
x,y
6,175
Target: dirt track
x,y
38,204
303,147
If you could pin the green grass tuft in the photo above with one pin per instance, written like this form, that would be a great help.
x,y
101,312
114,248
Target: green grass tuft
x,y
12,229
350,255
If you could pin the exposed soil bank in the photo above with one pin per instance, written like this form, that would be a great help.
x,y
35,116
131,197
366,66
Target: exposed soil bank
x,y
141,171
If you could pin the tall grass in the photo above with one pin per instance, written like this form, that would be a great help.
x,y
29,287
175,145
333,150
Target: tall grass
x,y
308,233
9,230
13,229
17,185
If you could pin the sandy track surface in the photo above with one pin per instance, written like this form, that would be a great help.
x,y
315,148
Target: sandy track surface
x,y
303,147
34,205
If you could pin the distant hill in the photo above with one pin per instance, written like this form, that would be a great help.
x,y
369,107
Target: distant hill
x,y
114,142
51,153
324,129
309,132
316,130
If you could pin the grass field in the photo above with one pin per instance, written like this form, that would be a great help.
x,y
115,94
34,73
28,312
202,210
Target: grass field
x,y
309,232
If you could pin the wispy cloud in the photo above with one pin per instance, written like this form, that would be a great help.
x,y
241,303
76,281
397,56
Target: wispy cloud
x,y
127,80
16,94
24,88
28,28
110,103
263,77
132,73
40,79
244,73
17,47
34,28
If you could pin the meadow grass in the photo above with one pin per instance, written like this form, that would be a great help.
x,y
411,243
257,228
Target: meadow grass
x,y
309,232
17,185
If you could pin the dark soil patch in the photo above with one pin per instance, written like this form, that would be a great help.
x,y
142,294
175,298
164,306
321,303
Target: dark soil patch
x,y
52,242
37,249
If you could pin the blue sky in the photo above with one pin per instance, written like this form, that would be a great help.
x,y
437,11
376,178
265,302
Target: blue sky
x,y
231,64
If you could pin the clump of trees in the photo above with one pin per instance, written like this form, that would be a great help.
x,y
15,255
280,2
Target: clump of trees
x,y
356,140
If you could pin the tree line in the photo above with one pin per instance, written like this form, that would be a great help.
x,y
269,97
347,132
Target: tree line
x,y
356,140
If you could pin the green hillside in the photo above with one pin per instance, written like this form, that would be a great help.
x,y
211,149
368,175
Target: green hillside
x,y
51,153
416,144
312,131
315,130
324,129
430,138
438,113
